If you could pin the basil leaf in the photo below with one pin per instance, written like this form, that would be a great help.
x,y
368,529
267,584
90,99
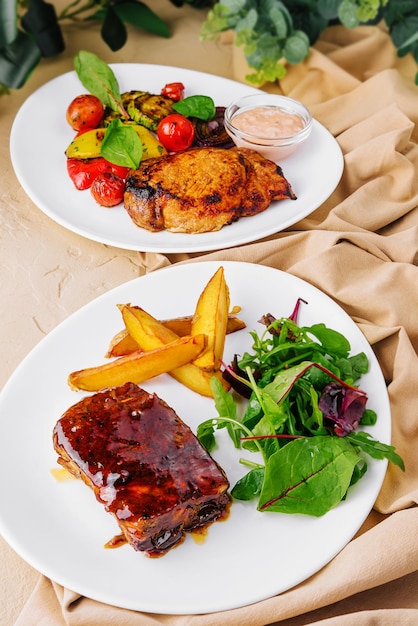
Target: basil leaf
x,y
202,107
121,145
309,475
98,78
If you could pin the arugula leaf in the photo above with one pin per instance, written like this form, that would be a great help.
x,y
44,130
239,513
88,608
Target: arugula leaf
x,y
98,78
309,475
121,145
375,449
226,407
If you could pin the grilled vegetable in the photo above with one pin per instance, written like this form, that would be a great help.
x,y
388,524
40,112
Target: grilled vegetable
x,y
84,171
88,144
212,133
148,109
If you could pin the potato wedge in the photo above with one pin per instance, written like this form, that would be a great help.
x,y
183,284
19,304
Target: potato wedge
x,y
88,145
122,343
210,318
139,366
150,334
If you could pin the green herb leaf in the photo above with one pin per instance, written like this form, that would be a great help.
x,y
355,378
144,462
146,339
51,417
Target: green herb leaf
x,y
250,485
202,107
226,407
308,476
98,78
375,449
121,145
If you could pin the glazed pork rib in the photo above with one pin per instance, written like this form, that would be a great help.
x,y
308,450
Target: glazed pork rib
x,y
144,465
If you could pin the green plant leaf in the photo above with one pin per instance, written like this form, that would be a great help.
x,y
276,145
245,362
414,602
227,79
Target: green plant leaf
x,y
328,8
18,59
347,14
8,22
140,15
404,34
113,30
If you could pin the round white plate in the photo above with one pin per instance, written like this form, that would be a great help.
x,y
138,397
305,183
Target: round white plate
x,y
40,135
59,527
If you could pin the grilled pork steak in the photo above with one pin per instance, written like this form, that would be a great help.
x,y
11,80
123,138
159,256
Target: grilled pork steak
x,y
144,465
203,189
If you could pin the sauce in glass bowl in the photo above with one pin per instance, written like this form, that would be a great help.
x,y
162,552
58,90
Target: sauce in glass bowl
x,y
272,125
268,121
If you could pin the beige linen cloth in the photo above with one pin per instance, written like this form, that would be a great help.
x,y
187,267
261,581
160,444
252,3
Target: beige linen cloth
x,y
361,248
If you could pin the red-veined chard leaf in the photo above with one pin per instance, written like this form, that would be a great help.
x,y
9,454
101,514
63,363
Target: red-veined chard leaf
x,y
344,406
308,476
98,78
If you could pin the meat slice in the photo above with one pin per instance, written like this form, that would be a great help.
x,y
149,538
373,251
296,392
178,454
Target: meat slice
x,y
144,465
203,189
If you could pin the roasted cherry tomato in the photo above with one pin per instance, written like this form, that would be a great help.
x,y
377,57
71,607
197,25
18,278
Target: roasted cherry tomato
x,y
175,132
85,111
108,189
175,91
83,171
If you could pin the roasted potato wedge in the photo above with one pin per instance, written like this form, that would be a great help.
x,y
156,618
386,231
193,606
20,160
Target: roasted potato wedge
x,y
139,366
150,334
122,343
211,318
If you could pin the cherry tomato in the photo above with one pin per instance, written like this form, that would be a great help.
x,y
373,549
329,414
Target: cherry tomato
x,y
175,91
83,171
175,132
85,111
108,189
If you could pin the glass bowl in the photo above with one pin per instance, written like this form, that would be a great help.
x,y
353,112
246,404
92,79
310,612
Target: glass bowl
x,y
272,125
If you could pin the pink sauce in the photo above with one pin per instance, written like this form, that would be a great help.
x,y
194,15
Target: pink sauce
x,y
268,122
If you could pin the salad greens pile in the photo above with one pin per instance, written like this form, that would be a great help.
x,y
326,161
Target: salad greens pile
x,y
302,415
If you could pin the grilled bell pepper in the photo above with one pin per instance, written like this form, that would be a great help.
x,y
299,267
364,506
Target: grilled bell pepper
x,y
83,171
88,144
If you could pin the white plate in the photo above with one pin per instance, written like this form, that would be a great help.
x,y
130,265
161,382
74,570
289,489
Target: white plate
x,y
40,135
60,529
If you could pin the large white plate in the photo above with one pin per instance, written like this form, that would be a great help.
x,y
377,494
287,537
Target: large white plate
x,y
60,529
40,136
